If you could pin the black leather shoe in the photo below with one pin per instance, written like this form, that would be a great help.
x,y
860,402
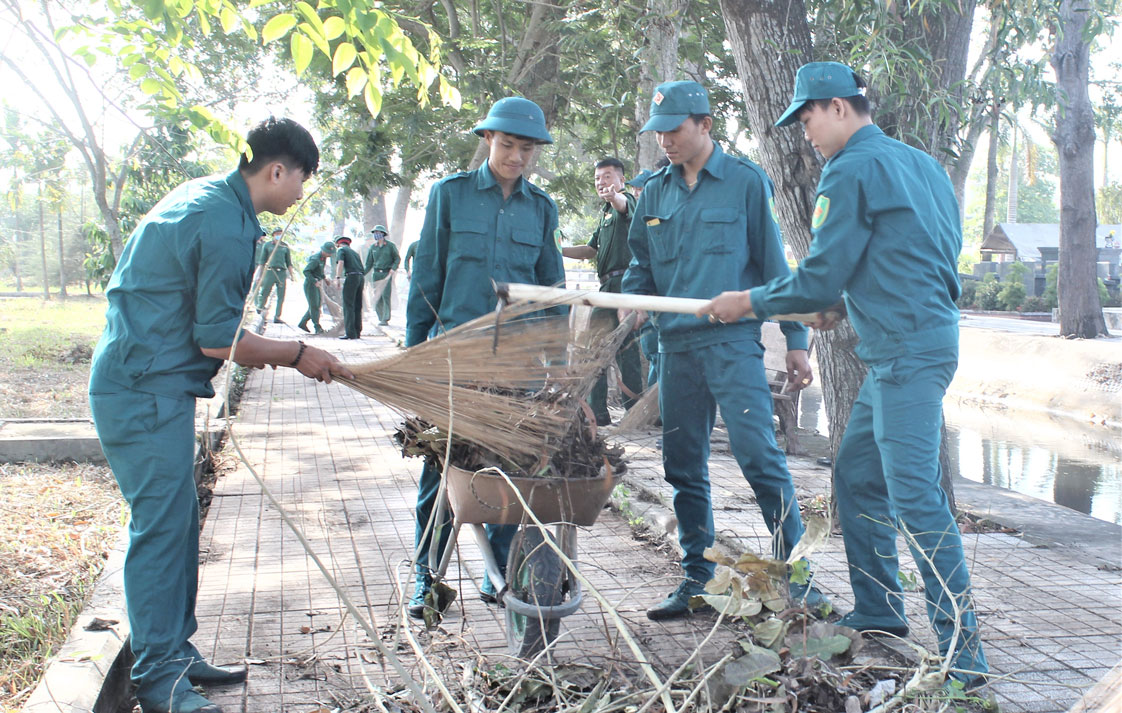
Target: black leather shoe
x,y
201,673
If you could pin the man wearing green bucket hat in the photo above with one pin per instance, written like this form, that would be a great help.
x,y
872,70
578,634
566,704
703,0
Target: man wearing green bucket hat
x,y
705,223
482,225
381,260
313,275
882,205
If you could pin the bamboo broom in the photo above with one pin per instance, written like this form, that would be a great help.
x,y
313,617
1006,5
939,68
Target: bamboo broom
x,y
510,381
618,300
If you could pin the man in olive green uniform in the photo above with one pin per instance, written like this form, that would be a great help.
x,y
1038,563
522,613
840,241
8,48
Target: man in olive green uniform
x,y
702,225
348,265
313,275
409,255
381,260
882,205
608,247
275,263
482,225
176,302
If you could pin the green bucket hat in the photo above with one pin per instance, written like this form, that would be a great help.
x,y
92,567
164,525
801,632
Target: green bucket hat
x,y
819,80
328,247
673,103
380,229
516,116
641,179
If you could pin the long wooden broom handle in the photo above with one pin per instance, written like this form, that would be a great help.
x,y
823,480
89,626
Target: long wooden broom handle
x,y
616,300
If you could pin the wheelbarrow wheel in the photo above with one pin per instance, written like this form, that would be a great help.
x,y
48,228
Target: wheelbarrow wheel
x,y
535,576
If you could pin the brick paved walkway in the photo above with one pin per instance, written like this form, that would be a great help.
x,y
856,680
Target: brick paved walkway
x,y
1051,618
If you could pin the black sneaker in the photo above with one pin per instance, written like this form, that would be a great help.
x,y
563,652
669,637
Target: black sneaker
x,y
677,605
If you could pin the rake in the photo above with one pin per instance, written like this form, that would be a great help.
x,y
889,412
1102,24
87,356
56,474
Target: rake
x,y
511,381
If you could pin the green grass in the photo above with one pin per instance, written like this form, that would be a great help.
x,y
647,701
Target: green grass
x,y
44,352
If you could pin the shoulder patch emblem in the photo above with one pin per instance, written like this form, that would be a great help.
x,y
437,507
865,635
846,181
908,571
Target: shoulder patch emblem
x,y
774,212
821,210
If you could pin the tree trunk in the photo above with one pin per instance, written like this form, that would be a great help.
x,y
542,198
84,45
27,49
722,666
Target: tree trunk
x,y
43,247
991,174
658,62
1081,313
61,258
1014,181
15,251
400,211
373,210
340,225
755,30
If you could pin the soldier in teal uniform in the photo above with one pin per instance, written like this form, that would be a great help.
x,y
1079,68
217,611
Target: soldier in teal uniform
x,y
704,224
274,261
886,239
381,260
348,266
482,225
176,301
608,247
313,275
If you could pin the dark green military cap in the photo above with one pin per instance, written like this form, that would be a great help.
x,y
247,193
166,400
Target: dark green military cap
x,y
819,80
328,247
673,103
516,116
640,179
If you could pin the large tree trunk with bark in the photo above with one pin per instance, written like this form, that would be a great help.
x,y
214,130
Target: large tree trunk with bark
x,y
1081,313
658,63
374,210
61,258
400,211
43,247
770,41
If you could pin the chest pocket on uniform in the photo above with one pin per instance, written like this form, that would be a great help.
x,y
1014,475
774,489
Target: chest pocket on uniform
x,y
526,246
717,230
662,244
468,240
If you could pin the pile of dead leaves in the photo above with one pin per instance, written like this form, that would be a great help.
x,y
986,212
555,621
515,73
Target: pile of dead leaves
x,y
581,454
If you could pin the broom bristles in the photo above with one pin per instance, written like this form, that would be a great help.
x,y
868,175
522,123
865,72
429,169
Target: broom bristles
x,y
514,380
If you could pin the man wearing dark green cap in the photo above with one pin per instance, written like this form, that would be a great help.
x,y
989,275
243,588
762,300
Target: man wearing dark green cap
x,y
274,262
482,225
381,260
882,205
313,275
705,224
175,307
348,266
608,247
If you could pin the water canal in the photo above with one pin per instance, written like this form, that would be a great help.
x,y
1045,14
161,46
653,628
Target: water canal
x,y
1054,458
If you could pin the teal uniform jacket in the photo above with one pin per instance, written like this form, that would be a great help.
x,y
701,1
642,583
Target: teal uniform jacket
x,y
381,260
471,236
179,286
352,263
278,255
410,254
887,235
721,236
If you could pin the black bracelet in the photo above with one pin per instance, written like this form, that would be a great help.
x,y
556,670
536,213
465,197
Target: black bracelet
x,y
299,354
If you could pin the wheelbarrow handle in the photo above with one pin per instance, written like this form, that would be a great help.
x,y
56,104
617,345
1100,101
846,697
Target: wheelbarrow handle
x,y
510,291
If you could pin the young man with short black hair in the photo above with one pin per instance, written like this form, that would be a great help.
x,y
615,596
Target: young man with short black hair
x,y
176,301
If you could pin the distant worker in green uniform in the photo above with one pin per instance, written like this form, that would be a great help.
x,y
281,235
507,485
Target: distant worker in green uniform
x,y
381,260
275,263
704,224
348,266
313,276
410,253
608,247
482,225
886,239
175,306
